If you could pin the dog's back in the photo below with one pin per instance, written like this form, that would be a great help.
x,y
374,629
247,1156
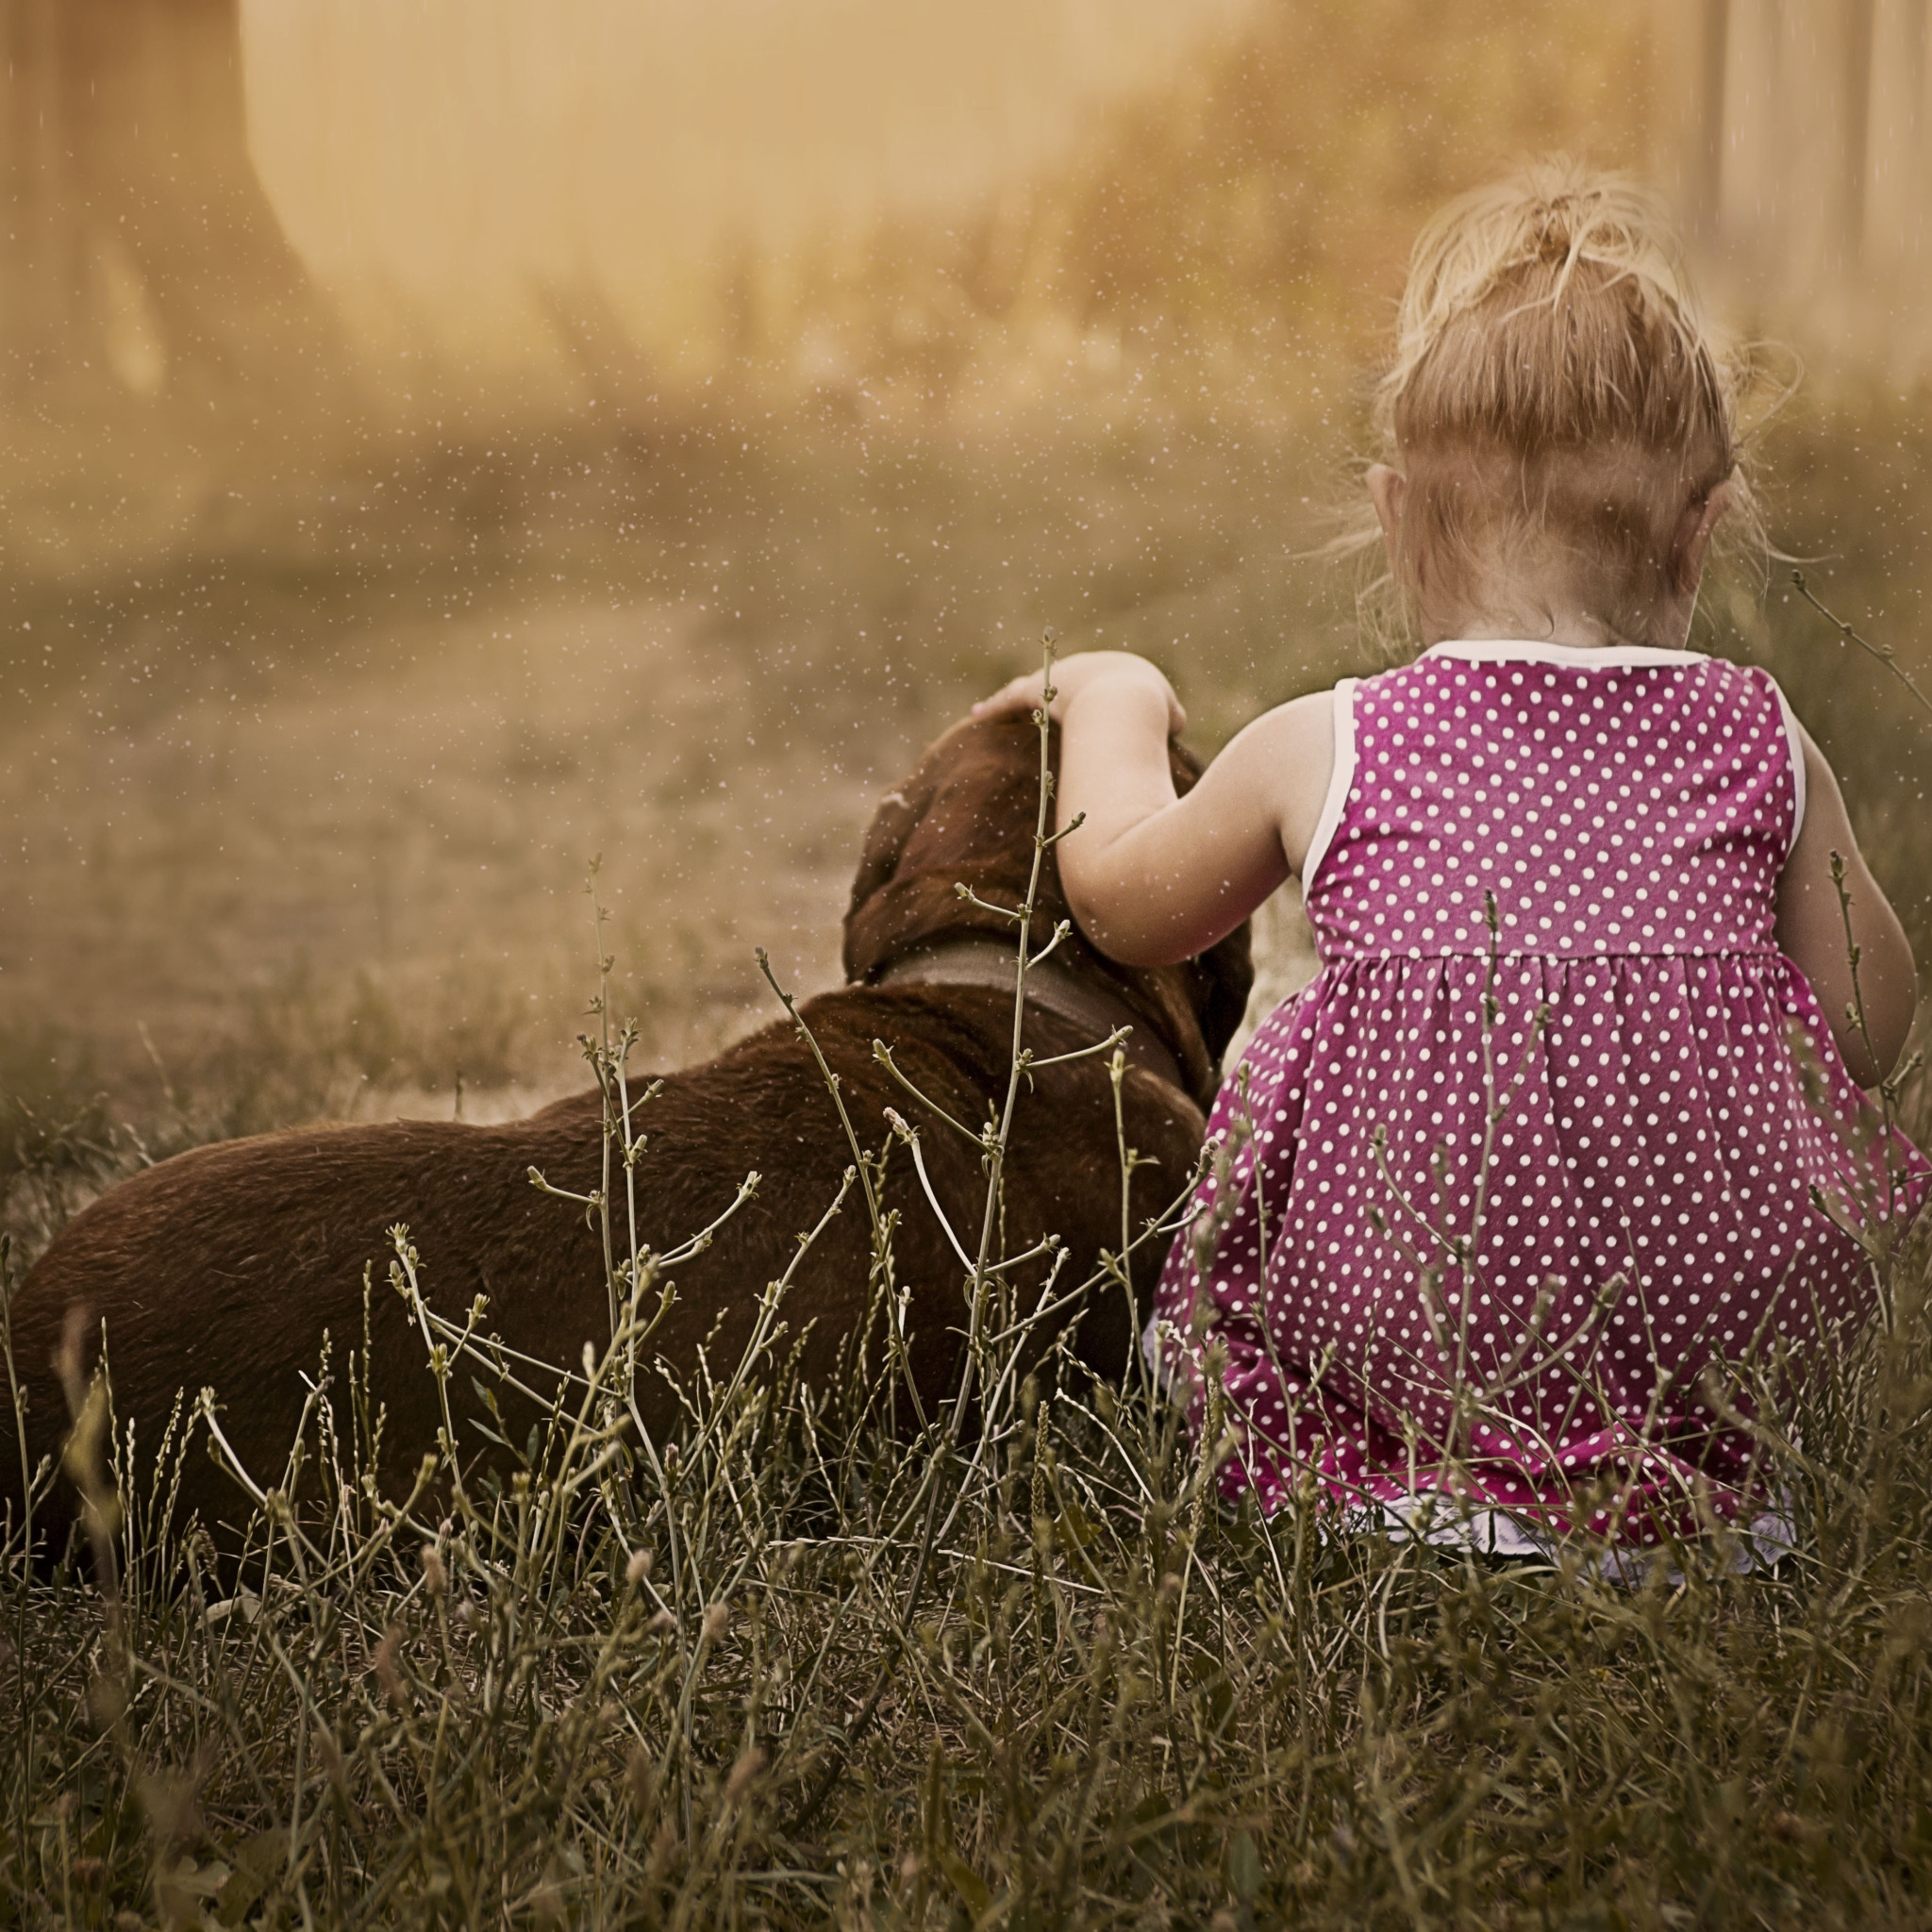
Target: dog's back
x,y
227,1267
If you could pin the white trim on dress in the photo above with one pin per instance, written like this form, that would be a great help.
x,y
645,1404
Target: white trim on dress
x,y
1797,750
1580,657
1340,778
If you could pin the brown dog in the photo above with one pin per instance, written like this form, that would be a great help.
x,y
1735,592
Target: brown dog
x,y
226,1266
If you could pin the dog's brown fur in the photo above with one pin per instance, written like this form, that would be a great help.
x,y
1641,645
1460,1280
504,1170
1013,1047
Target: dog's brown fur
x,y
226,1266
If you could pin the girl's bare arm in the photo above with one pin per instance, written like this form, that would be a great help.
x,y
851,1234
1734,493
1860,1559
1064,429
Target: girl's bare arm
x,y
1153,878
1811,932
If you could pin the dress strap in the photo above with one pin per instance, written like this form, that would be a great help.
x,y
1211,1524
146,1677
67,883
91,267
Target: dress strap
x,y
1796,744
1341,776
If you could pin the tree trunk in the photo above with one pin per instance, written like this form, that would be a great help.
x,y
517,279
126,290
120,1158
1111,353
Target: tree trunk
x,y
138,248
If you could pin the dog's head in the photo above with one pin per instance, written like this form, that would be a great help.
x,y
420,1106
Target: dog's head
x,y
966,816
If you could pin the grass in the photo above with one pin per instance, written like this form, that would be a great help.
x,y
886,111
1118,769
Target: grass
x,y
798,1665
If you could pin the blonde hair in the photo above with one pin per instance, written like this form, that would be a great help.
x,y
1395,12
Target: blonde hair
x,y
1553,373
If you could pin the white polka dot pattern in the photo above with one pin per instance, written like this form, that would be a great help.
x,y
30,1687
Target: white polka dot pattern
x,y
1506,1256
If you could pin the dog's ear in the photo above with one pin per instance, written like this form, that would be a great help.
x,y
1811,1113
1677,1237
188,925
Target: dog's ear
x,y
964,817
899,811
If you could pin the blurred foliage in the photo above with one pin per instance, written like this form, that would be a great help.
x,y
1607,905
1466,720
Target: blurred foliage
x,y
1237,237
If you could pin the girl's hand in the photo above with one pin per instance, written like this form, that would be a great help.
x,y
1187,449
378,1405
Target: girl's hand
x,y
1074,676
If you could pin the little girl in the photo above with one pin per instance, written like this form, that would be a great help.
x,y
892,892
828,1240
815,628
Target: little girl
x,y
1571,1113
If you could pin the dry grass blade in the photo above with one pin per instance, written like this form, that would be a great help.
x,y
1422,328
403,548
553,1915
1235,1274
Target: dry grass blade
x,y
1881,654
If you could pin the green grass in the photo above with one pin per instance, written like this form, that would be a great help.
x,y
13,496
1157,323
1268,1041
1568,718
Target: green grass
x,y
802,1664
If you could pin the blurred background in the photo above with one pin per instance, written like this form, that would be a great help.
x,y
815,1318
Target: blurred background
x,y
441,440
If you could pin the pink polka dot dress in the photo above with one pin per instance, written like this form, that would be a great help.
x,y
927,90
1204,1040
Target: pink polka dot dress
x,y
1490,1212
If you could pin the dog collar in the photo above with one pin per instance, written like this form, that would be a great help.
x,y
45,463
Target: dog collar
x,y
1054,986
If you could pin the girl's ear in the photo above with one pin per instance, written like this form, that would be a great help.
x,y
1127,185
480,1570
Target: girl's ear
x,y
1690,544
1389,491
1386,489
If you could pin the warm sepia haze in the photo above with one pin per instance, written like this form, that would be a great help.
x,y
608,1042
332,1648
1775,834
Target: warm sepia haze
x,y
445,442
453,173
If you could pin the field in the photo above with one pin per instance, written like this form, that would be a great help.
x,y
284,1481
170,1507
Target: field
x,y
304,798
340,816
314,712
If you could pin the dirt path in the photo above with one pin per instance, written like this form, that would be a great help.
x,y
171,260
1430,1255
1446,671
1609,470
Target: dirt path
x,y
391,848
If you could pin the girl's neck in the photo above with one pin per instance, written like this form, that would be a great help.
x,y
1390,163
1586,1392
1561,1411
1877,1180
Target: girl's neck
x,y
1578,629
1549,611
1520,577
